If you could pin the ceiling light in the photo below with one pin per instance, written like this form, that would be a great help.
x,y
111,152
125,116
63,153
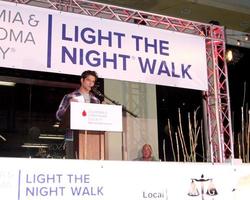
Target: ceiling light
x,y
3,138
6,83
238,42
51,137
34,145
229,55
56,125
246,37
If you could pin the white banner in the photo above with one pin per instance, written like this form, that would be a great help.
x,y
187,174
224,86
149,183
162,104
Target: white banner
x,y
40,39
47,179
95,117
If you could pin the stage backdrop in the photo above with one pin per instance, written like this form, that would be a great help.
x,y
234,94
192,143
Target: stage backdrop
x,y
47,179
47,40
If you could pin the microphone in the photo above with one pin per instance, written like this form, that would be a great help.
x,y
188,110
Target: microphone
x,y
97,92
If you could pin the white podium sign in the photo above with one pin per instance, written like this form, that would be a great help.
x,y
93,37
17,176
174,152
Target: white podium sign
x,y
96,117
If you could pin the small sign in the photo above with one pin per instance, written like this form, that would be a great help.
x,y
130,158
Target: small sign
x,y
95,117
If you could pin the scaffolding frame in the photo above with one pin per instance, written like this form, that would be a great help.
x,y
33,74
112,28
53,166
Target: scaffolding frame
x,y
216,98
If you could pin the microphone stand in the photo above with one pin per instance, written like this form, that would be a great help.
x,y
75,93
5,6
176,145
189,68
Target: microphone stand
x,y
124,133
98,93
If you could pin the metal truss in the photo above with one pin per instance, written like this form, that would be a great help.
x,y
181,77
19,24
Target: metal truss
x,y
217,97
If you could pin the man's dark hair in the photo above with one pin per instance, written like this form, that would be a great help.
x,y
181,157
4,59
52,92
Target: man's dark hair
x,y
89,72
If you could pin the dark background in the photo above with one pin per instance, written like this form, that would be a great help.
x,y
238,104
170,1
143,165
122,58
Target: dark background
x,y
170,99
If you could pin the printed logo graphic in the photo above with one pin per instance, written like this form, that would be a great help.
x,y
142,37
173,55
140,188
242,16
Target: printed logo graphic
x,y
202,187
155,195
84,113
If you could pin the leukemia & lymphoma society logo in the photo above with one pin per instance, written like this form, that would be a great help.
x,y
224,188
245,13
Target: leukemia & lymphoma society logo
x,y
17,29
84,113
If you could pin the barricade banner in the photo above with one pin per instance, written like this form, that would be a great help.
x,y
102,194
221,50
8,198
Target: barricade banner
x,y
33,179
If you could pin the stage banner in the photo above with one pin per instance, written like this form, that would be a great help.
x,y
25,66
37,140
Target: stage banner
x,y
36,179
95,117
46,40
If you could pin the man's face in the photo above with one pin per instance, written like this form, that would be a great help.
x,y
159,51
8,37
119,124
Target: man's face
x,y
88,82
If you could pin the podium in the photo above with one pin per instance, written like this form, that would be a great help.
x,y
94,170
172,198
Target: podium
x,y
89,123
90,145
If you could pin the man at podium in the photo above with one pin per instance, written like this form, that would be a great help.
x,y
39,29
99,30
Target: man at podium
x,y
83,94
